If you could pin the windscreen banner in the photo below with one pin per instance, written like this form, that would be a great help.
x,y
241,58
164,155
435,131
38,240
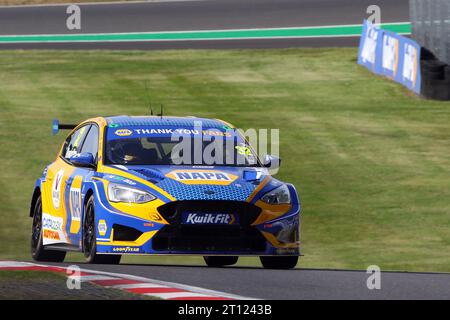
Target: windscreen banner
x,y
389,54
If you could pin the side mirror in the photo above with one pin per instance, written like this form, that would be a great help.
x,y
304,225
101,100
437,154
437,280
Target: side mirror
x,y
83,160
272,162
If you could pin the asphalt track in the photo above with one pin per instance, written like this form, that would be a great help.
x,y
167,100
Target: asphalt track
x,y
298,284
194,15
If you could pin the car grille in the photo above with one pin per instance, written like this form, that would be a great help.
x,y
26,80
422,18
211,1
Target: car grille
x,y
241,237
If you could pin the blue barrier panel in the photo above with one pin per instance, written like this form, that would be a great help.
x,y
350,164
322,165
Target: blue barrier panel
x,y
369,48
389,54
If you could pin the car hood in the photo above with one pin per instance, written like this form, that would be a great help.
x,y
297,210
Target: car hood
x,y
201,182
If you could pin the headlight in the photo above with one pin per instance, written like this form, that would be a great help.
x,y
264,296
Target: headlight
x,y
279,195
121,193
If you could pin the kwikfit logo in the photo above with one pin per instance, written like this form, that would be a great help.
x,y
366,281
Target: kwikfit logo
x,y
209,218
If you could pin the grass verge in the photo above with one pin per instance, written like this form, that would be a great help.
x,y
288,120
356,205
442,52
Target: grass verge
x,y
371,161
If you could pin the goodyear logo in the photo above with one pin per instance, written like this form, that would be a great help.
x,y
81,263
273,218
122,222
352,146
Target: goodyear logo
x,y
123,132
209,218
211,177
126,249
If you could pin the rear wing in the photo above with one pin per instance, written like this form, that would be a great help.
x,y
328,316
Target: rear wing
x,y
56,126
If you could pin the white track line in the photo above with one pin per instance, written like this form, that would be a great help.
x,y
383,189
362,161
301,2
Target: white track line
x,y
137,285
95,278
171,295
14,264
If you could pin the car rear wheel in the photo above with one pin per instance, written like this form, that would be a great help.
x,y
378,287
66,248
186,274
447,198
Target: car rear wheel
x,y
90,239
38,251
283,262
220,261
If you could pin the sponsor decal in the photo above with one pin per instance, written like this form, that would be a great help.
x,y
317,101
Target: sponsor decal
x,y
202,177
410,64
369,45
123,132
154,216
171,131
154,131
216,133
149,224
208,218
75,203
52,229
102,227
390,54
56,188
243,150
121,179
126,249
52,235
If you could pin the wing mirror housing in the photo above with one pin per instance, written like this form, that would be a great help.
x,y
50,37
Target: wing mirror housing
x,y
83,160
271,162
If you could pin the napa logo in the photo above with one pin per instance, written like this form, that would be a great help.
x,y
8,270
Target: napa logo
x,y
211,177
123,132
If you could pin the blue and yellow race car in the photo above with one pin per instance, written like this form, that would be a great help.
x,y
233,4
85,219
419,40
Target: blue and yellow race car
x,y
118,187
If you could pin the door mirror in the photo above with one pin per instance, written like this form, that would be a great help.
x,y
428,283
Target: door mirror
x,y
84,160
272,162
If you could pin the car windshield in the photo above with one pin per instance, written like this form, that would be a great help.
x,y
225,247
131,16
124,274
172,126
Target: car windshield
x,y
186,150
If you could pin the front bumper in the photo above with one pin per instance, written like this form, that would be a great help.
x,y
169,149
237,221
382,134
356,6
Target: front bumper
x,y
261,231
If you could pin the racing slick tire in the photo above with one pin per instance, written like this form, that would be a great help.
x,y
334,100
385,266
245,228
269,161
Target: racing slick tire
x,y
284,262
90,236
220,261
38,251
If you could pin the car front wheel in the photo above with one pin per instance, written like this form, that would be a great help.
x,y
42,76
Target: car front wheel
x,y
38,251
90,239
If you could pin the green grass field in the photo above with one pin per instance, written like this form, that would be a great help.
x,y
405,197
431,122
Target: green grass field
x,y
371,161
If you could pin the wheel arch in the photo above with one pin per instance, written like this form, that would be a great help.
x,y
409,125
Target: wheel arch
x,y
88,195
36,194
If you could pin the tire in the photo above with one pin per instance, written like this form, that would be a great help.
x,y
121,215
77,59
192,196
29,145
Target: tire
x,y
90,236
38,251
282,262
220,261
433,65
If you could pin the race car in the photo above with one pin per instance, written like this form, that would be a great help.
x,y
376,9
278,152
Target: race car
x,y
129,185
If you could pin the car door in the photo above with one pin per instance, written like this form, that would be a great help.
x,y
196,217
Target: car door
x,y
75,186
54,199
